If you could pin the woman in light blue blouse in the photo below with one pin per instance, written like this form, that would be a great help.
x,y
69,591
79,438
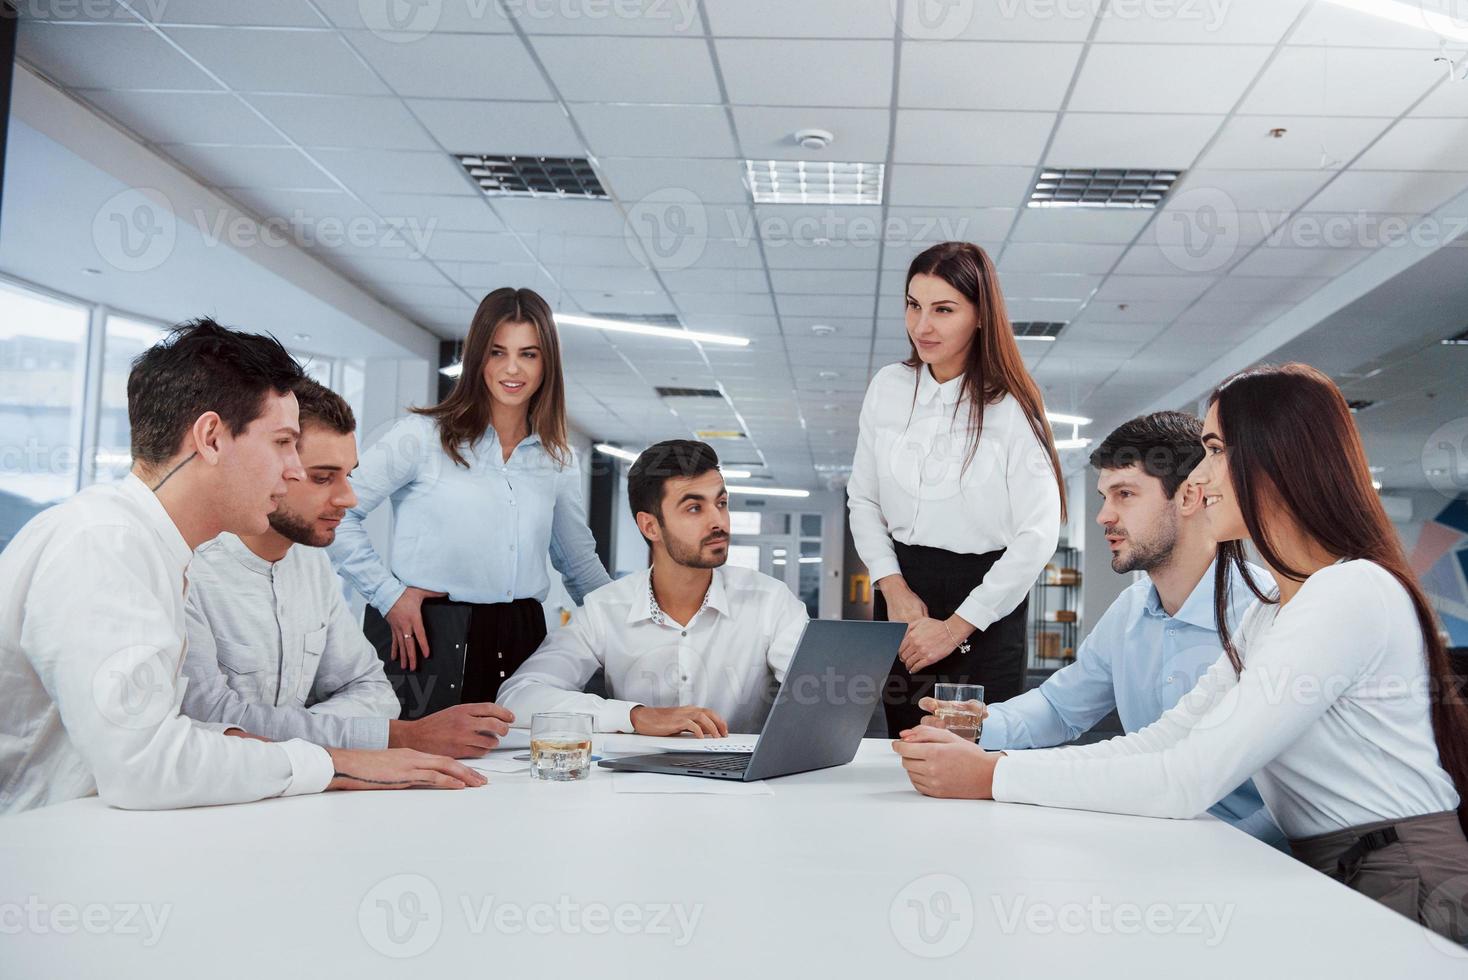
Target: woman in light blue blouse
x,y
482,486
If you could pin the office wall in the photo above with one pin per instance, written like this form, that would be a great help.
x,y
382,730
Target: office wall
x,y
1436,539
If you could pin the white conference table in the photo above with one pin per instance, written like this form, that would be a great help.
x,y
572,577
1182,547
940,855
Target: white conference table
x,y
845,872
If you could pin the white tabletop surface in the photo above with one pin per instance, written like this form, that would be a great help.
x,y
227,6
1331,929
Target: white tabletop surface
x,y
841,873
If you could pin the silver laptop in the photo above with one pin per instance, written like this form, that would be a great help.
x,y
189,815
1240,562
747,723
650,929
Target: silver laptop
x,y
834,683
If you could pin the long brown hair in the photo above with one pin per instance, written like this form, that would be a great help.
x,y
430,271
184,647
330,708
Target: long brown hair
x,y
1290,438
994,367
464,416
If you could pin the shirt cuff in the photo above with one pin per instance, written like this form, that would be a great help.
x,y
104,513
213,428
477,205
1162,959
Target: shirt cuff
x,y
996,730
976,614
384,598
616,716
366,733
311,768
882,567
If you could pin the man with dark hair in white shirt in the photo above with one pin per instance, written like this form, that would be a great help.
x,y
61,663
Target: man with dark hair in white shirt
x,y
92,596
690,645
273,647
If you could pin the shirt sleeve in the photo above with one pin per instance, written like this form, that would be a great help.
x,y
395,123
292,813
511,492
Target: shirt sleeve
x,y
113,676
208,697
555,675
572,548
1034,507
393,462
787,626
350,681
869,531
1067,704
1227,728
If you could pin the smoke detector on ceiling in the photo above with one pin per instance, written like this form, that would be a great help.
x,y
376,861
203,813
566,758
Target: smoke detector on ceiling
x,y
814,139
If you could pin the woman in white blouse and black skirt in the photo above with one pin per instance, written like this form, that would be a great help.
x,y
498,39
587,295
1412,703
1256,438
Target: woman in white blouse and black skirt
x,y
1336,695
955,495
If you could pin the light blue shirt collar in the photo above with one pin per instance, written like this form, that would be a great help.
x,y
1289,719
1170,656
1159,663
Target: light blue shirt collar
x,y
1197,609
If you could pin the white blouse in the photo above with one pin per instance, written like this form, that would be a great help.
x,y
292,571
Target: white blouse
x,y
909,484
1330,717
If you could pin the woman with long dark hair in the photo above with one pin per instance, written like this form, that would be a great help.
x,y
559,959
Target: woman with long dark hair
x,y
483,485
1335,696
955,496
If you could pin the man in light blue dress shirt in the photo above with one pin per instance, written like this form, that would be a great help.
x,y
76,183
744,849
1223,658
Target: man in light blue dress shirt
x,y
1159,636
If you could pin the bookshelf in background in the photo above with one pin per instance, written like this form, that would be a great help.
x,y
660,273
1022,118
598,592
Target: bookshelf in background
x,y
1054,622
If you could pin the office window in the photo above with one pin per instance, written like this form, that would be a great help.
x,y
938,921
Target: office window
x,y
124,340
43,366
318,369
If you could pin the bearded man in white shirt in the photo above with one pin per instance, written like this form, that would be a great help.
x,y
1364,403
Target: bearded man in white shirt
x,y
689,646
92,596
273,647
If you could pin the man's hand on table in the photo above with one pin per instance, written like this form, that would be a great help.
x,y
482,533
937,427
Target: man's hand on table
x,y
700,722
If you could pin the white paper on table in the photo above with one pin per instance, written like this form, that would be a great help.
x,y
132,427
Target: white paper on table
x,y
655,782
497,763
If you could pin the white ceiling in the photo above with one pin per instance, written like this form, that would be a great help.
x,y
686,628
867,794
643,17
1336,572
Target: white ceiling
x,y
305,107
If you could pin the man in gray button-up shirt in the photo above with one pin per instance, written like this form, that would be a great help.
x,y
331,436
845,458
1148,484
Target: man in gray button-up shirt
x,y
273,648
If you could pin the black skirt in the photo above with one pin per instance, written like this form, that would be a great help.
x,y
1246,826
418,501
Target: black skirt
x,y
475,647
997,655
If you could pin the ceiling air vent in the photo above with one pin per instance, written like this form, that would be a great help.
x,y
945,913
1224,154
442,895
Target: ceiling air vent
x,y
1359,405
1038,328
516,176
688,392
1100,188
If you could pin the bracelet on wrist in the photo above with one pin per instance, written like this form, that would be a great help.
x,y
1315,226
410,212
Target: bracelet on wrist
x,y
962,646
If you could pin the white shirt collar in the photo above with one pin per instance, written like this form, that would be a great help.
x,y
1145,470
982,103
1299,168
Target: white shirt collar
x,y
928,387
158,520
647,607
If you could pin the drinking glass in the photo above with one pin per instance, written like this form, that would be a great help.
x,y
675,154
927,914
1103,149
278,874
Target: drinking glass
x,y
560,745
960,709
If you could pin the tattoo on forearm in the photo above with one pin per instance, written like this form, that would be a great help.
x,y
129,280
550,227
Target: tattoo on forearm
x,y
381,782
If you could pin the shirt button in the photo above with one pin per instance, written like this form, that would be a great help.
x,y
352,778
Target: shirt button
x,y
685,633
1171,678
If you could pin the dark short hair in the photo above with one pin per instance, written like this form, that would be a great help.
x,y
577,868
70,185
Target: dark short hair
x,y
681,458
1166,445
202,367
322,406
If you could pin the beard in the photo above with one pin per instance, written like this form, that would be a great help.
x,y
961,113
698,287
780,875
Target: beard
x,y
1150,553
691,556
293,527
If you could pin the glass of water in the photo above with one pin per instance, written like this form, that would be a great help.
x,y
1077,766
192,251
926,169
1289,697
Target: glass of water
x,y
960,709
560,745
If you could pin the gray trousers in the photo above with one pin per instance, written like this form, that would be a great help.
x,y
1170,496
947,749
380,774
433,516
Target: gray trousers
x,y
1417,866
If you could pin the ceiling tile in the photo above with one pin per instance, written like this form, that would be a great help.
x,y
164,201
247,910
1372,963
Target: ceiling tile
x,y
809,18
824,73
1078,225
962,187
1309,143
345,121
629,69
982,75
1391,191
185,117
256,13
108,56
1231,22
473,66
655,131
315,62
455,16
1122,139
397,171
441,211
1048,22
952,136
506,128
767,132
711,181
1162,78
1035,257
1420,144
1297,262
1032,285
1334,81
250,166
654,18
